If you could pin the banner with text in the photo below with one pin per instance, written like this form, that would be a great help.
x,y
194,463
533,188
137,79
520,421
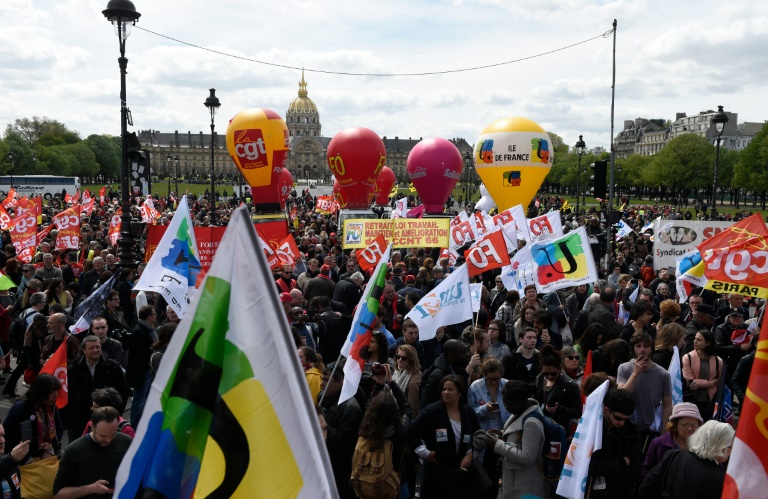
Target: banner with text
x,y
673,238
402,232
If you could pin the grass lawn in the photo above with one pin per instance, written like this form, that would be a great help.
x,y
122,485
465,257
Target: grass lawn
x,y
161,188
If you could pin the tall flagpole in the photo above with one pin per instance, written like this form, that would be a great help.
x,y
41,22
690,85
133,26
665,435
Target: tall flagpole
x,y
613,148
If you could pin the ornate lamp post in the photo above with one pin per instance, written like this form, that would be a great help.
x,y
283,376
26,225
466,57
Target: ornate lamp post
x,y
9,156
176,162
122,14
169,161
580,146
719,120
467,166
213,104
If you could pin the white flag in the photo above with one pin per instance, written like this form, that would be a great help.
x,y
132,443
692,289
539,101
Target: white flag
x,y
676,376
476,292
401,208
229,413
173,269
449,303
622,229
564,262
518,213
587,439
545,227
520,272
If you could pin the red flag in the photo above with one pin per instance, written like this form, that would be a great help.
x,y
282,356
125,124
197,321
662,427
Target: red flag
x,y
5,219
87,208
324,204
23,231
67,198
68,224
44,233
288,251
489,252
369,257
735,259
10,199
587,372
747,474
273,259
102,195
114,227
56,366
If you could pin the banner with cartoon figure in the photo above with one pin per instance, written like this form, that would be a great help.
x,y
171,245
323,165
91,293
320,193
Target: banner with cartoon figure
x,y
674,238
564,262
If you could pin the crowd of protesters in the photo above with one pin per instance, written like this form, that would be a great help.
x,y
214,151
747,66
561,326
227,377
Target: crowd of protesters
x,y
461,411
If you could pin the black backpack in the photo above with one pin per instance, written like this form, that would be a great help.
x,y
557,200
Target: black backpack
x,y
17,330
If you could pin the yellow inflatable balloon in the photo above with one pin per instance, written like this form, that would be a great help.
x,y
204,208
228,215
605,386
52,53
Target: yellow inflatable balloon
x,y
257,140
513,156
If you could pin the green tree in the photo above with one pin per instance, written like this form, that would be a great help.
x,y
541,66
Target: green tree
x,y
687,161
106,151
751,170
558,145
32,130
632,169
83,160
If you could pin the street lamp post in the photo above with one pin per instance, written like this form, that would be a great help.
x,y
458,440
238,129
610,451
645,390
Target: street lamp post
x,y
467,167
213,104
618,182
10,168
176,162
719,120
580,146
169,161
122,14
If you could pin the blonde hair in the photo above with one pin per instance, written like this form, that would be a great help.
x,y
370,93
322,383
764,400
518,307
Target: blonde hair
x,y
413,366
711,440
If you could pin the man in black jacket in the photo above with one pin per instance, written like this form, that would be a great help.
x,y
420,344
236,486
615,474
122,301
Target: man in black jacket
x,y
347,291
702,319
343,424
138,374
332,328
614,468
82,383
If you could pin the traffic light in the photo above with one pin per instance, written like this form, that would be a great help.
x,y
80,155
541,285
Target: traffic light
x,y
600,183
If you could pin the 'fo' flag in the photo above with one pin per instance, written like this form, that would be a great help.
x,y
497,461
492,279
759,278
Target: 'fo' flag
x,y
564,262
587,439
229,413
747,473
288,251
56,366
489,252
175,265
448,303
370,256
361,332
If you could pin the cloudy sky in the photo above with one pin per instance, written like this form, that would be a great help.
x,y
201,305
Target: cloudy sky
x,y
59,59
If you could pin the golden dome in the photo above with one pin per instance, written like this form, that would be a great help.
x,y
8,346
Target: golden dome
x,y
302,104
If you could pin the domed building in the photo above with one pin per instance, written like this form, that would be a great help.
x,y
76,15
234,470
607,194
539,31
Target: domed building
x,y
308,147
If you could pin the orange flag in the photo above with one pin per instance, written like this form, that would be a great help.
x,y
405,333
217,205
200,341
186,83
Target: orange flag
x,y
369,257
56,365
747,474
487,253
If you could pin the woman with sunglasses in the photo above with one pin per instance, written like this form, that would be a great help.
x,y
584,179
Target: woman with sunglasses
x,y
407,375
485,399
557,394
572,363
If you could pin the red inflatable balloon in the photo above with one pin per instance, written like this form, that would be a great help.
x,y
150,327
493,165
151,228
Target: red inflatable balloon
x,y
384,185
339,195
434,166
356,157
286,184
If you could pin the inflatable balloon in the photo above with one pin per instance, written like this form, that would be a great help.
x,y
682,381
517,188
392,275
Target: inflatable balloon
x,y
356,156
513,156
384,186
434,166
257,140
338,195
286,185
486,202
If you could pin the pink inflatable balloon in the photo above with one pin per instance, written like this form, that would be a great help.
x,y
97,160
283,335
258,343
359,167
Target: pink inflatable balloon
x,y
285,182
384,185
434,166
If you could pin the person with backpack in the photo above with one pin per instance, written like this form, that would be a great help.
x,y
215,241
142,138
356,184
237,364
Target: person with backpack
x,y
379,448
521,443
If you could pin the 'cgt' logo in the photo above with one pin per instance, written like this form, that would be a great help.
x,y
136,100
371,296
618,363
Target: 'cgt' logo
x,y
251,149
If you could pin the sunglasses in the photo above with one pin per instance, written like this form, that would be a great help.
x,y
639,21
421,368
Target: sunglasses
x,y
619,418
573,357
492,379
551,374
401,357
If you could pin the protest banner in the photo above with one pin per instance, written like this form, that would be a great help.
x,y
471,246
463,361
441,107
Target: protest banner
x,y
402,232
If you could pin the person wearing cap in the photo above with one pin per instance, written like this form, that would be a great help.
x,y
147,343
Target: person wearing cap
x,y
410,287
683,423
285,300
735,301
725,348
703,319
702,370
322,285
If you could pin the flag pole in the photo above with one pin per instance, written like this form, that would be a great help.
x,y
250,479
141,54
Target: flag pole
x,y
335,365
